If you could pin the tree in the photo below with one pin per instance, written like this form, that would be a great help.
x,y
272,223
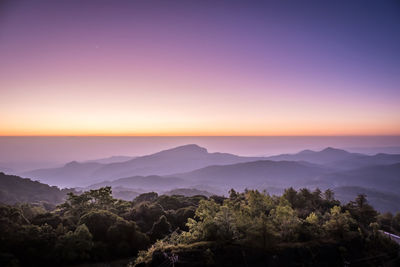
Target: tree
x,y
362,211
396,222
160,228
75,246
291,195
204,228
329,195
286,221
225,223
338,223
385,221
150,197
98,222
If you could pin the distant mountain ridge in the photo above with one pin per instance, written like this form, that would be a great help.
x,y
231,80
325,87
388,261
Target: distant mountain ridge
x,y
144,183
112,159
193,167
380,200
69,175
379,177
180,159
324,156
339,158
256,173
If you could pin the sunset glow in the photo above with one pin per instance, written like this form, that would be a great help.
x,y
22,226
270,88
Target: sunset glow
x,y
89,68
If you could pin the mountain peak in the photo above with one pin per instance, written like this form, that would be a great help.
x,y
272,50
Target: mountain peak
x,y
190,148
72,164
333,150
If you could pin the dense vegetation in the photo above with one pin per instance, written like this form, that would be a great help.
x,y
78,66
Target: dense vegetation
x,y
249,228
298,229
92,226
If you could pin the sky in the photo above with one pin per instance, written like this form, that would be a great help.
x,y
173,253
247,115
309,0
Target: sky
x,y
156,68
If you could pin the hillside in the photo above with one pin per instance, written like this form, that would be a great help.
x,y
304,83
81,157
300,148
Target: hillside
x,y
14,189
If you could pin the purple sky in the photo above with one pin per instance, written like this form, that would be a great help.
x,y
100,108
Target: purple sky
x,y
199,67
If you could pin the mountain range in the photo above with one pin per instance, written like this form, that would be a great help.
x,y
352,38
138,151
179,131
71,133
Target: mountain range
x,y
193,167
179,159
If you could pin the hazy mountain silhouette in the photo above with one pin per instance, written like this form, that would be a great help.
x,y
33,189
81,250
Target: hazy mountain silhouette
x,y
112,159
325,156
179,159
71,174
257,174
196,166
339,159
364,161
381,177
188,192
144,183
380,200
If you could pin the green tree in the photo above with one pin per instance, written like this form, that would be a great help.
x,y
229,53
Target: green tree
x,y
160,228
338,223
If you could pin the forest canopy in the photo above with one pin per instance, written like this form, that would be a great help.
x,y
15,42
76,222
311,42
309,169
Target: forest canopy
x,y
151,229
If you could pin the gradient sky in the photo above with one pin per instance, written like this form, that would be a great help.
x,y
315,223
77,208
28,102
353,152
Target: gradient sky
x,y
199,67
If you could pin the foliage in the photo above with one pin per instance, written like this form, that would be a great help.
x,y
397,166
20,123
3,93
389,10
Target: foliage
x,y
93,226
254,219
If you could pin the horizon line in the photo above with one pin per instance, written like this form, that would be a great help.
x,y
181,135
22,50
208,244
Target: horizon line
x,y
283,135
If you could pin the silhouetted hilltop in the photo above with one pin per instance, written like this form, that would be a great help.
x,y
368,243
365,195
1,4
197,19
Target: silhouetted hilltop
x,y
179,159
325,156
339,158
14,189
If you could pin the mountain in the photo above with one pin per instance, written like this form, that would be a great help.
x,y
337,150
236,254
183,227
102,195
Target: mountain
x,y
143,183
185,159
381,177
180,159
69,175
256,174
381,201
360,161
325,156
14,189
188,192
125,193
112,159
339,159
